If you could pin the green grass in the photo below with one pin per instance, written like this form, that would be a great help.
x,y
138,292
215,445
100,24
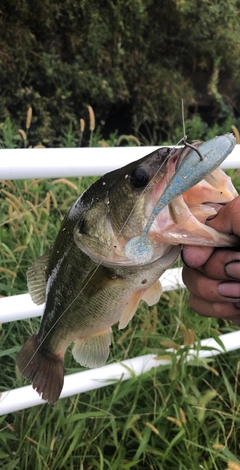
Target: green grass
x,y
182,416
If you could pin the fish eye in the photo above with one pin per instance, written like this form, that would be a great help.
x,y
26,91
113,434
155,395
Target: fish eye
x,y
139,178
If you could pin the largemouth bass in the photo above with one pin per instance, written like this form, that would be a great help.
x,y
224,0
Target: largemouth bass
x,y
88,282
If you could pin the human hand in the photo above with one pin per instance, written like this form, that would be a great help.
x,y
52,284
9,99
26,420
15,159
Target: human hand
x,y
213,275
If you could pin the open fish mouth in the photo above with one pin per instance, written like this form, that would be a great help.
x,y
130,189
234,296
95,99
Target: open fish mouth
x,y
179,215
170,209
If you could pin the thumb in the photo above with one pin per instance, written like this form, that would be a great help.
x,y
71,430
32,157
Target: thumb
x,y
227,219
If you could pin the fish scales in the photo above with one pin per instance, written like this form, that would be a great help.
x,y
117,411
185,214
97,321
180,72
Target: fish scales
x,y
88,282
99,303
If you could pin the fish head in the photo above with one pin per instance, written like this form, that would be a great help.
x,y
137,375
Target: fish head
x,y
116,208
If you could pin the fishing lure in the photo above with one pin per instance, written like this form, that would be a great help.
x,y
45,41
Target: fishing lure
x,y
195,167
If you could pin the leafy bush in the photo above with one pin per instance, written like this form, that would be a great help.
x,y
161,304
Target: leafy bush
x,y
144,55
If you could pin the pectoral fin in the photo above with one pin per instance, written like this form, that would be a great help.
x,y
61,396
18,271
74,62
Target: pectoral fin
x,y
92,351
150,295
153,293
130,309
36,279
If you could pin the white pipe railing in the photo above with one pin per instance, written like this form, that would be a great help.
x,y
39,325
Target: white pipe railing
x,y
55,163
20,307
26,397
51,163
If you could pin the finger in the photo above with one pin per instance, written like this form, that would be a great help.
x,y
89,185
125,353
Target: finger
x,y
227,311
209,289
227,219
195,256
223,264
202,287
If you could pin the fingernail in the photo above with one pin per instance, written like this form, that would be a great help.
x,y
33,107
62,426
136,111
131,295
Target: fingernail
x,y
229,289
232,269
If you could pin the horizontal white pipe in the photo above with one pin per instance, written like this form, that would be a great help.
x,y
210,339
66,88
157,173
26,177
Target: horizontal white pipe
x,y
64,162
19,307
26,397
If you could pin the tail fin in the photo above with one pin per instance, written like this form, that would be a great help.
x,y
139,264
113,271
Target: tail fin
x,y
44,370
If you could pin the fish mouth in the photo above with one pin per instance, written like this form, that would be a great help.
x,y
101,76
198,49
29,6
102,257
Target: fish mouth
x,y
182,221
176,156
173,161
162,165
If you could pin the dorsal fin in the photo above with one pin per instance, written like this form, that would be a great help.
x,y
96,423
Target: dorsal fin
x,y
92,351
36,279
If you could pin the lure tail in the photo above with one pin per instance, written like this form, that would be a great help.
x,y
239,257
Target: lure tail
x,y
44,370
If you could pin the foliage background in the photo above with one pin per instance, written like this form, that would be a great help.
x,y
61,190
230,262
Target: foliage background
x,y
131,61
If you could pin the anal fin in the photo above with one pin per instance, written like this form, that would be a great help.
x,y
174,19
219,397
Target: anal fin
x,y
92,351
